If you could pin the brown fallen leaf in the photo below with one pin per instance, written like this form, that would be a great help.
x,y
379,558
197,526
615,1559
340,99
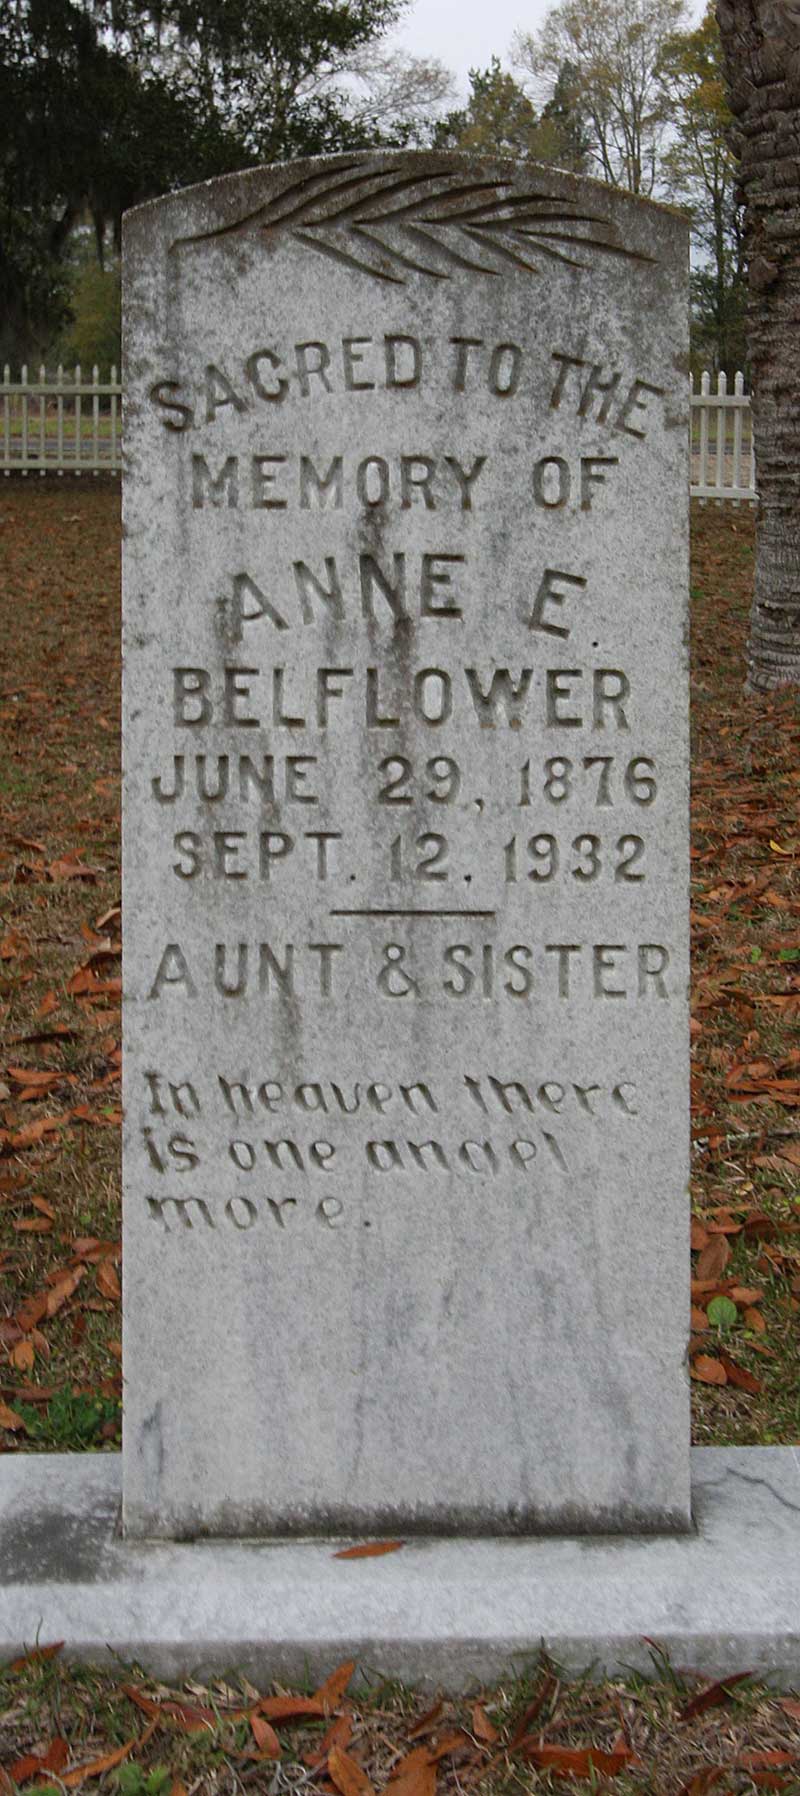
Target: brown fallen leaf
x,y
36,1656
10,1420
451,1743
13,944
62,1289
265,1737
739,1376
73,869
109,916
580,1761
52,1760
32,1076
713,1695
414,1776
790,1706
331,1692
27,1137
96,1767
546,1690
23,1356
770,1760
289,1708
753,1319
707,1370
698,1319
31,1311
703,1781
426,1721
347,1775
59,1032
482,1727
183,1716
338,1734
107,1281
371,1549
713,1259
27,842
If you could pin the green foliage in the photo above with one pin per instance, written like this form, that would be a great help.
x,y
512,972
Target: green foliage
x,y
69,1423
103,105
133,1781
722,1313
93,333
608,52
701,175
500,120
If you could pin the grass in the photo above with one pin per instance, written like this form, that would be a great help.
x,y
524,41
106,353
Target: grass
x,y
59,966
747,1739
59,1194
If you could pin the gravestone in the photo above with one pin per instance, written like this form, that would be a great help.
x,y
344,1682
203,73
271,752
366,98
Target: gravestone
x,y
406,1065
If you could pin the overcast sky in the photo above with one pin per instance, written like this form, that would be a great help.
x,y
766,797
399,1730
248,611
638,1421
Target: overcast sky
x,y
465,34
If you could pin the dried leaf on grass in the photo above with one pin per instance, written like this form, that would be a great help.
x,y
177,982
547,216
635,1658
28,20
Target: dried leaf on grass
x,y
713,1695
482,1727
713,1259
37,1656
10,1420
546,1690
265,1737
740,1377
33,1762
347,1774
331,1692
703,1781
580,1761
183,1716
371,1549
414,1776
108,1760
708,1370
338,1734
426,1721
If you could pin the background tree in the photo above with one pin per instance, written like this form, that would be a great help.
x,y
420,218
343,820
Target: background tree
x,y
92,334
700,172
105,102
761,44
499,119
614,50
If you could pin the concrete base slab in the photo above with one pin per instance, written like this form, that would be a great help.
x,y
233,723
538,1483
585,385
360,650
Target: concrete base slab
x,y
723,1598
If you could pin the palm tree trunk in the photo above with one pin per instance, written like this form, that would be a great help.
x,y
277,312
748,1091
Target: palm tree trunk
x,y
761,44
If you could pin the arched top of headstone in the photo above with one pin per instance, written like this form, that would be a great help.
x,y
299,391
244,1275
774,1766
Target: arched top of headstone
x,y
389,216
394,215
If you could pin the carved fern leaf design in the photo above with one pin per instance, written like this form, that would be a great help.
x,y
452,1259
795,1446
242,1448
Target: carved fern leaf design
x,y
392,222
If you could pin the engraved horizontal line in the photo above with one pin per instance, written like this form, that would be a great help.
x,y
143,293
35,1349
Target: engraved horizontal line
x,y
413,913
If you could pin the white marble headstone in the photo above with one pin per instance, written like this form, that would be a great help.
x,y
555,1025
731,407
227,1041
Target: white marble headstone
x,y
406,1070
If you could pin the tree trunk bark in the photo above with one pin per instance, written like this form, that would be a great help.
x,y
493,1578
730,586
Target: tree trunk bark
x,y
761,45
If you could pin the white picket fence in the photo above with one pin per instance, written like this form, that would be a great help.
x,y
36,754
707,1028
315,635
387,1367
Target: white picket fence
x,y
723,463
62,424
